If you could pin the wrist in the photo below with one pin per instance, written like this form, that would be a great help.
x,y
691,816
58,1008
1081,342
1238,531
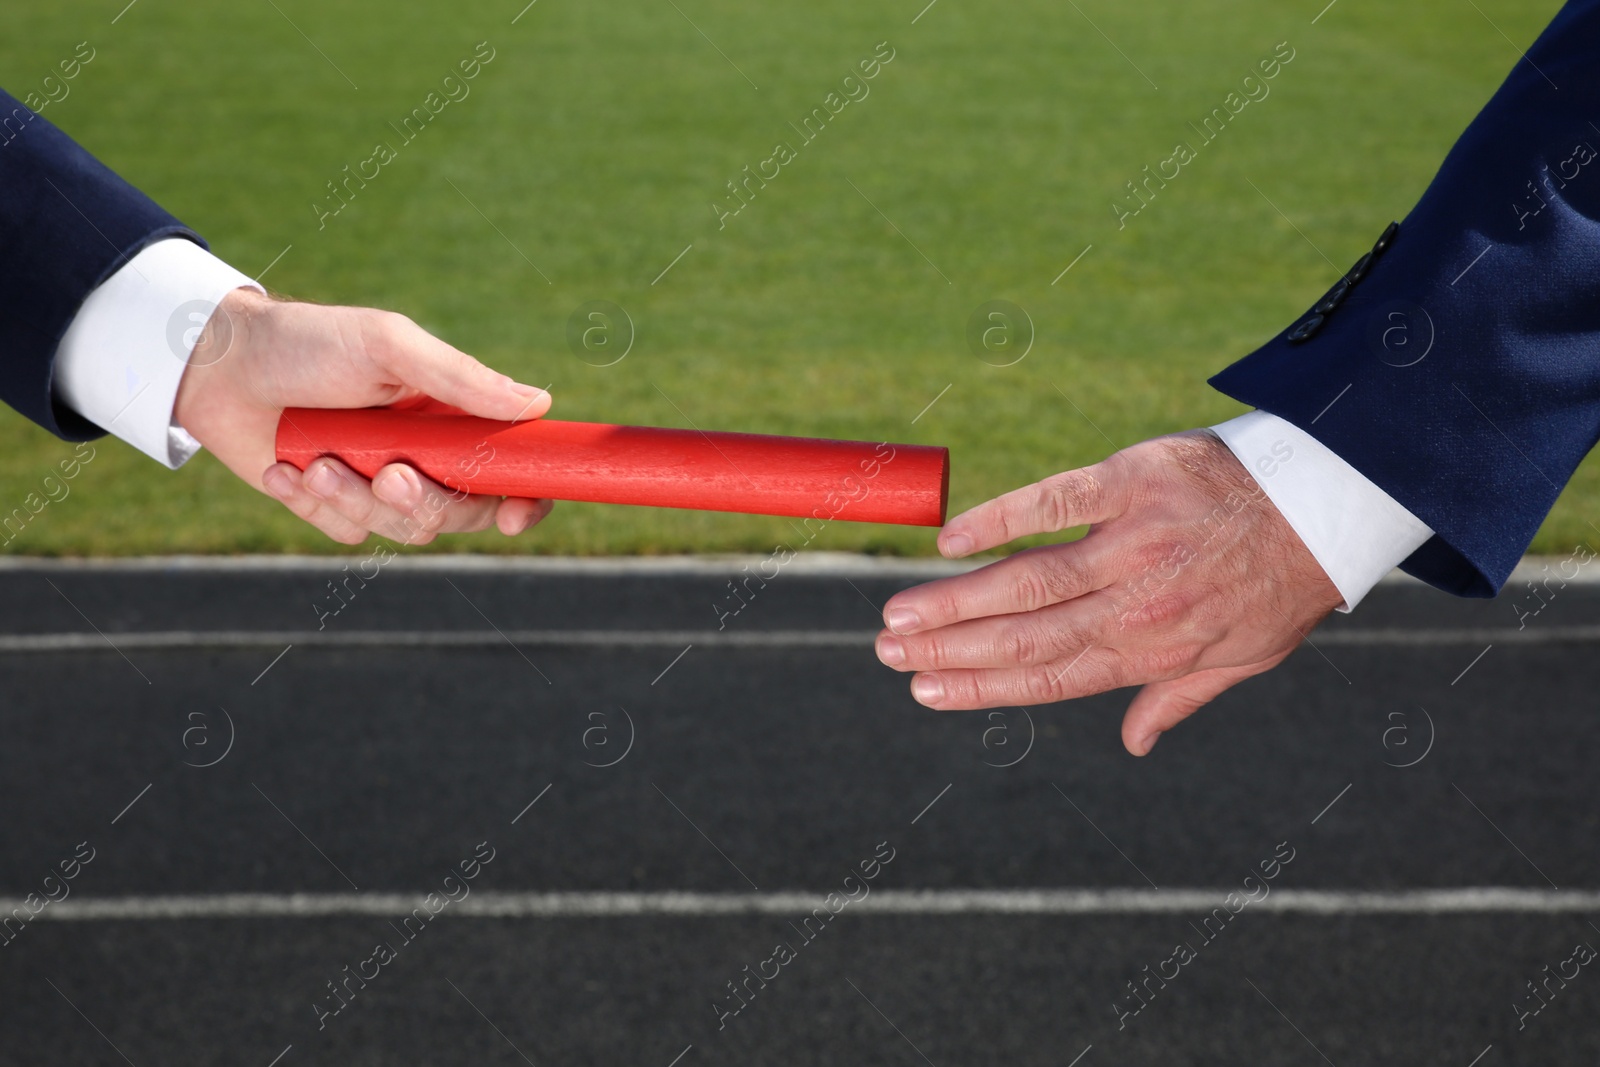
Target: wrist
x,y
216,361
1237,490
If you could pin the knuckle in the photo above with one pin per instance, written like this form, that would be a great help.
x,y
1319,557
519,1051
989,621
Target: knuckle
x,y
377,329
302,505
1040,685
962,690
1162,559
1170,660
1021,643
988,688
340,530
1068,497
395,323
1030,589
432,515
1063,575
942,605
932,650
1152,604
356,507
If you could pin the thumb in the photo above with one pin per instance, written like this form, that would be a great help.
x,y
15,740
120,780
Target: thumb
x,y
1160,706
423,362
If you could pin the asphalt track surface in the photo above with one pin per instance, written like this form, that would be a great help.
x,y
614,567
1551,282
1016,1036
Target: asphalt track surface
x,y
666,803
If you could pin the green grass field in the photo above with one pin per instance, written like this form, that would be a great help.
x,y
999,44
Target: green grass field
x,y
599,136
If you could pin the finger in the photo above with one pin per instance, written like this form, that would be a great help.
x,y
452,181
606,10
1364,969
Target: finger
x,y
517,514
284,482
1095,670
1048,635
1160,706
1027,581
423,509
352,496
1073,498
445,373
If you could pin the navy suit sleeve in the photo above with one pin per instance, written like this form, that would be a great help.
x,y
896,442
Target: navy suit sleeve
x,y
66,224
1461,370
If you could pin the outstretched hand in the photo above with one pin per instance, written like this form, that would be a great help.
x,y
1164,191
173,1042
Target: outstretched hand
x,y
1188,582
257,356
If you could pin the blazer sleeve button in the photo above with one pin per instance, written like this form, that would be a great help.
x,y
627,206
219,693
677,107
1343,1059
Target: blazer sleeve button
x,y
1306,329
1334,298
1386,240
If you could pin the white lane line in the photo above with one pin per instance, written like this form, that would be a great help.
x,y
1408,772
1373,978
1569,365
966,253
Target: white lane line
x,y
96,629
599,904
829,564
1438,637
497,630
186,639
823,563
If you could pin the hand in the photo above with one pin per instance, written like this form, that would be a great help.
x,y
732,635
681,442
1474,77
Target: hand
x,y
1188,582
257,356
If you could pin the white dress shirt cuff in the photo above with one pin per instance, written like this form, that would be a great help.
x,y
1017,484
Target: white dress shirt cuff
x,y
1354,530
120,361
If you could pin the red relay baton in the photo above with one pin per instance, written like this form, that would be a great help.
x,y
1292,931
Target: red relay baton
x,y
756,474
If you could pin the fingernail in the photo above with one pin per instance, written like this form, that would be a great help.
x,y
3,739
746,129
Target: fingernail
x,y
891,652
324,481
529,393
903,620
393,487
1148,744
957,545
277,482
928,689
